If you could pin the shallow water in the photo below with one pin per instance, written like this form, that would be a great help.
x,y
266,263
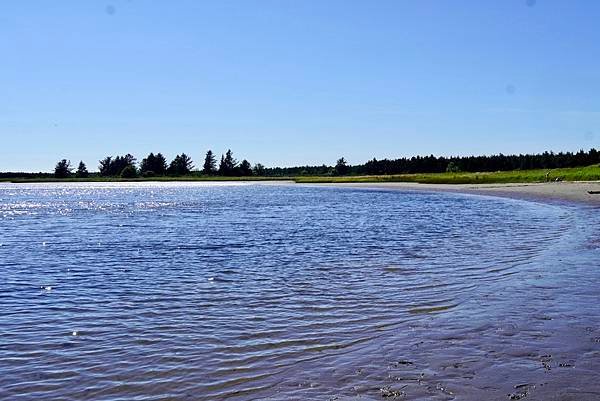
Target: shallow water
x,y
176,291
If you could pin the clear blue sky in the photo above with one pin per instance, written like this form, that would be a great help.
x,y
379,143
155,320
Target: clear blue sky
x,y
291,82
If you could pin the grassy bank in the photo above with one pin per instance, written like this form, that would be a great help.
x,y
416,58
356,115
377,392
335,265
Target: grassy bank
x,y
591,173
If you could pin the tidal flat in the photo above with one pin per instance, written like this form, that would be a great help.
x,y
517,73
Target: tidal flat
x,y
250,291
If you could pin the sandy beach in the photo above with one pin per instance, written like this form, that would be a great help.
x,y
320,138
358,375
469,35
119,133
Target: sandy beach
x,y
555,192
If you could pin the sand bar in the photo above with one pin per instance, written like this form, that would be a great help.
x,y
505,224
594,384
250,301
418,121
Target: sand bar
x,y
556,192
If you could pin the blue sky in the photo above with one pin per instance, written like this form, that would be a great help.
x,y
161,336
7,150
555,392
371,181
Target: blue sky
x,y
292,82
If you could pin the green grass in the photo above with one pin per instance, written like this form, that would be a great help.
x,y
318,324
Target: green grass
x,y
591,173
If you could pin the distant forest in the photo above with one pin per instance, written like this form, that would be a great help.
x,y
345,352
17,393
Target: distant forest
x,y
156,165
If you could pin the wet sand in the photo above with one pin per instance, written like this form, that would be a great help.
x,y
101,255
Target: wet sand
x,y
546,351
554,192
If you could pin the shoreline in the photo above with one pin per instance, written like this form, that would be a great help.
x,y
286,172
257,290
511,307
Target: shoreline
x,y
548,192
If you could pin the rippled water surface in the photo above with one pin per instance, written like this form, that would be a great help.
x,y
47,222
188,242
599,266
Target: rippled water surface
x,y
246,291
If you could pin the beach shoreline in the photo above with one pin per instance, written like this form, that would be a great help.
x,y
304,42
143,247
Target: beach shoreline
x,y
548,192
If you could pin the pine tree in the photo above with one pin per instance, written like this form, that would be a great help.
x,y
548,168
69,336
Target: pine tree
x,y
147,165
181,165
210,164
341,167
82,171
153,165
229,160
114,167
228,164
104,166
63,169
245,168
222,166
160,164
258,169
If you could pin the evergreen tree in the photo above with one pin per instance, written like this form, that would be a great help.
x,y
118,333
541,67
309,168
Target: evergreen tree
x,y
128,172
258,169
153,165
160,164
245,168
114,167
104,166
222,166
210,164
147,165
228,164
82,171
127,160
181,165
63,169
341,167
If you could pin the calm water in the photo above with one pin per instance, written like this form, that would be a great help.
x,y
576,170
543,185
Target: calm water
x,y
240,291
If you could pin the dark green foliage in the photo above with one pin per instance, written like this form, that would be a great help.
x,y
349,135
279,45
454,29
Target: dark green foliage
x,y
181,165
110,167
8,175
210,164
153,165
222,166
228,164
104,166
245,169
82,171
160,164
341,167
452,168
322,170
500,162
433,164
129,172
258,169
63,169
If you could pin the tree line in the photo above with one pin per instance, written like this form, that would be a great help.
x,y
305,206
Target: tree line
x,y
433,164
156,165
